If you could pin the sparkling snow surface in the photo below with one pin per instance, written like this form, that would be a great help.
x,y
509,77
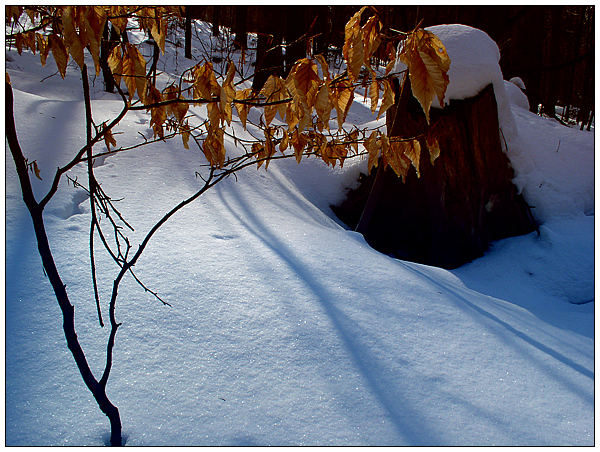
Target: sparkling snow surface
x,y
286,328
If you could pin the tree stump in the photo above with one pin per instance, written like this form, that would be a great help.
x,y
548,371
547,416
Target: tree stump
x,y
461,202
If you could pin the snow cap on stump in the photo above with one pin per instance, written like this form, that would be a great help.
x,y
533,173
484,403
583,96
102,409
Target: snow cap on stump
x,y
474,64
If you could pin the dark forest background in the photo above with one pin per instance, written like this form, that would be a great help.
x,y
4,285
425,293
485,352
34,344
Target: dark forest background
x,y
551,48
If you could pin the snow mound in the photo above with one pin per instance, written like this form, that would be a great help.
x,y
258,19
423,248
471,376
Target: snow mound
x,y
554,166
515,95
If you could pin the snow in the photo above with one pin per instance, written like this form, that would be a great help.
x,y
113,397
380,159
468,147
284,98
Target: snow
x,y
518,81
515,94
286,328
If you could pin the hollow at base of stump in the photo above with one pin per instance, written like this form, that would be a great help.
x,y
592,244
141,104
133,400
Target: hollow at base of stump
x,y
448,215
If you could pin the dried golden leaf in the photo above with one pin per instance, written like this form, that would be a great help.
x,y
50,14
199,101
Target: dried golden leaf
x,y
178,109
318,142
29,40
303,120
93,22
241,108
306,81
356,55
292,117
228,94
185,134
388,98
36,170
283,144
396,158
290,83
273,90
109,139
352,28
72,39
434,147
323,105
384,142
412,150
13,13
19,43
269,114
374,92
298,141
115,62
214,148
158,114
390,66
128,72
59,52
159,33
140,71
230,73
205,82
373,146
7,78
324,67
134,72
332,152
342,95
118,18
43,47
428,65
214,115
371,37
269,146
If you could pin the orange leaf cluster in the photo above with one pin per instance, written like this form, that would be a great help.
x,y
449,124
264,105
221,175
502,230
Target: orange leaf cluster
x,y
76,28
304,100
360,42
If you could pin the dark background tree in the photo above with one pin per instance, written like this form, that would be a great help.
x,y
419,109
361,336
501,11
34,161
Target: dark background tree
x,y
551,48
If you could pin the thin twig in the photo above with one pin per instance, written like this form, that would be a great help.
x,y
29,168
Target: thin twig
x,y
91,184
147,289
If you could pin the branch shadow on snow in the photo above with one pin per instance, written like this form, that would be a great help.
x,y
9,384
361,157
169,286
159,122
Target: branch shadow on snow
x,y
406,420
471,308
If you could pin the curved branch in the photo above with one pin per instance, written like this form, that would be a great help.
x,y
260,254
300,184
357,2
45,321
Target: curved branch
x,y
79,156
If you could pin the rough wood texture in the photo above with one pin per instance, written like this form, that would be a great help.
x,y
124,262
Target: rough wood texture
x,y
466,199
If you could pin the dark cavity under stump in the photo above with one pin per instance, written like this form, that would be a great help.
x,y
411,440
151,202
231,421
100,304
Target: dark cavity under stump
x,y
466,199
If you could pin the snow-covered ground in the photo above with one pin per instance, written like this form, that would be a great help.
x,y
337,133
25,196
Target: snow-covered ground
x,y
286,328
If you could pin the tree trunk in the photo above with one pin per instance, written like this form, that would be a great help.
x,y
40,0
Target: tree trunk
x,y
215,21
105,48
188,34
97,389
448,215
155,57
295,48
240,41
269,60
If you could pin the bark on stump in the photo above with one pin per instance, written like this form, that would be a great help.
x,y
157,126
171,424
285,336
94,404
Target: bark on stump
x,y
448,215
